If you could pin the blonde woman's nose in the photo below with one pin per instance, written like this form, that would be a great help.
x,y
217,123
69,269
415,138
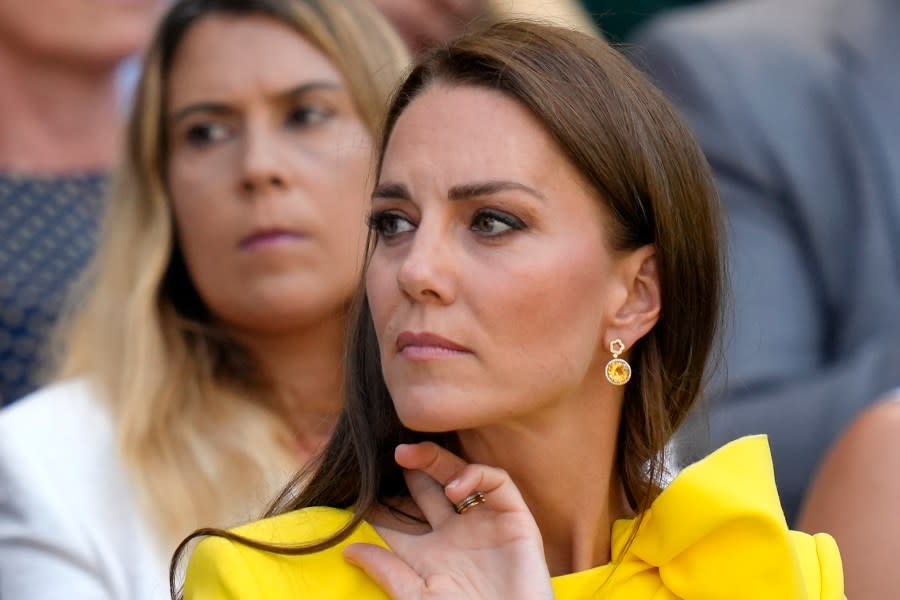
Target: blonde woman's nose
x,y
262,166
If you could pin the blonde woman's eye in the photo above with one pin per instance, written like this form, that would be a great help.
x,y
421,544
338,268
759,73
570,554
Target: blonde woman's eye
x,y
203,134
307,115
491,223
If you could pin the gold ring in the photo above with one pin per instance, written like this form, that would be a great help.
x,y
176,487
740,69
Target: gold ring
x,y
469,501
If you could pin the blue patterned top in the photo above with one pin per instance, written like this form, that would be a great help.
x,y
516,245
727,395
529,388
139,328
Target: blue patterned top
x,y
48,231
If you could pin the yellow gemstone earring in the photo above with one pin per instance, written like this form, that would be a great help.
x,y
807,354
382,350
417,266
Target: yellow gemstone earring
x,y
618,371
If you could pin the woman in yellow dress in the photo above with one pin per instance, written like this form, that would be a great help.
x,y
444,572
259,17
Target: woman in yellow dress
x,y
540,298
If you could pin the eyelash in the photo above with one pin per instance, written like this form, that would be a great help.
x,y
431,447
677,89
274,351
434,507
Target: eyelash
x,y
379,223
310,115
302,116
201,134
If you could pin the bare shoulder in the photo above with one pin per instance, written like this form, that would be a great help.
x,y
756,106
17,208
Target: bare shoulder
x,y
865,458
871,442
855,497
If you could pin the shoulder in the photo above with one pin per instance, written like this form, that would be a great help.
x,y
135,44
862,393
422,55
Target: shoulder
x,y
57,427
221,567
855,497
719,525
304,526
747,52
67,510
874,434
869,448
766,28
51,406
855,493
59,458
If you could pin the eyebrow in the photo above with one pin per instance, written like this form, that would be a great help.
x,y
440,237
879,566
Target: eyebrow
x,y
223,108
465,191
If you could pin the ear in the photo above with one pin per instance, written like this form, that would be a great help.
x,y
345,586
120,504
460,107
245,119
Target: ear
x,y
638,309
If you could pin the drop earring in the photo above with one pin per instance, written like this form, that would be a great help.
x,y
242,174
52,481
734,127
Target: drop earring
x,y
618,371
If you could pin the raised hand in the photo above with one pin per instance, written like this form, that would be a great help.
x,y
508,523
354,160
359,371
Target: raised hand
x,y
491,551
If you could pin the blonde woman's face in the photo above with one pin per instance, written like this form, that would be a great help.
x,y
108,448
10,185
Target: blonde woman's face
x,y
267,171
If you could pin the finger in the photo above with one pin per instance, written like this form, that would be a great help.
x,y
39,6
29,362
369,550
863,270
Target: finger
x,y
391,574
459,478
429,497
439,463
502,494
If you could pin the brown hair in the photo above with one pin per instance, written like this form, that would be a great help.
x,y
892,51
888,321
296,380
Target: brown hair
x,y
653,181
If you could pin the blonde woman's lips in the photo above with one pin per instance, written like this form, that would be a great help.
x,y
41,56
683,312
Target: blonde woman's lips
x,y
269,238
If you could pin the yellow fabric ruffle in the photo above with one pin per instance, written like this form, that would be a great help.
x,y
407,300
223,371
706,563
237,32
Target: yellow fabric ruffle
x,y
716,533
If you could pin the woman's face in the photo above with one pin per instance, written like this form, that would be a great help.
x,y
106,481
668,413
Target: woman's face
x,y
492,282
268,170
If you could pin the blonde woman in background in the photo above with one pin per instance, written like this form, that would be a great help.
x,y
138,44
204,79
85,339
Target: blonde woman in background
x,y
203,363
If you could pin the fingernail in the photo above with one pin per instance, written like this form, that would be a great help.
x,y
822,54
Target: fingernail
x,y
452,484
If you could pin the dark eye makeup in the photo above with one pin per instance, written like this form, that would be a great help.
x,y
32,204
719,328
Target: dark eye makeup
x,y
485,222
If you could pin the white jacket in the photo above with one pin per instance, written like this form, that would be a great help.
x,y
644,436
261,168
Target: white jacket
x,y
69,525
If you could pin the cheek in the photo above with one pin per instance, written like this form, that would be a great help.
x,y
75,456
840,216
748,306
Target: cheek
x,y
350,173
552,312
343,203
204,221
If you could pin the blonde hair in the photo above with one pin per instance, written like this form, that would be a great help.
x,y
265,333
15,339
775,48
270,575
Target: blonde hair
x,y
196,426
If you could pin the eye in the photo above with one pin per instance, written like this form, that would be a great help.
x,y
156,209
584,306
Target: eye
x,y
388,224
203,134
493,223
305,115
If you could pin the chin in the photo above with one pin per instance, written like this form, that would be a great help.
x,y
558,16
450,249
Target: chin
x,y
430,411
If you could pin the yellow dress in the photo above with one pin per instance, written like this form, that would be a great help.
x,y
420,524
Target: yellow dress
x,y
717,532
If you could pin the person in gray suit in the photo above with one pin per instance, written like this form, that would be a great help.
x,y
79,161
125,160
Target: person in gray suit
x,y
797,106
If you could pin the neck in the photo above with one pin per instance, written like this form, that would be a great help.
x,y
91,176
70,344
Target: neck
x,y
55,118
306,367
564,466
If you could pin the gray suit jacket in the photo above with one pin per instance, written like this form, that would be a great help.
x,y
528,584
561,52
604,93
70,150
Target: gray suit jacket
x,y
797,106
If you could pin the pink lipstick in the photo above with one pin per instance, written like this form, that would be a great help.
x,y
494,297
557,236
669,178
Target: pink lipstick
x,y
427,346
266,238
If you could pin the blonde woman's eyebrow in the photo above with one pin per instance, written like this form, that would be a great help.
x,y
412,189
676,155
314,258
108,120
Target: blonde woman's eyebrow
x,y
222,108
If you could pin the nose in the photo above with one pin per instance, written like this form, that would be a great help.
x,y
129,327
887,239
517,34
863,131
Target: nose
x,y
428,270
262,166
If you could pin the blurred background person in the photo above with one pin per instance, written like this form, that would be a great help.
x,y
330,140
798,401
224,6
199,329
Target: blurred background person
x,y
855,498
202,364
59,134
426,23
795,105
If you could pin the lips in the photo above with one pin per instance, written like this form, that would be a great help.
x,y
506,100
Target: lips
x,y
426,345
270,237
